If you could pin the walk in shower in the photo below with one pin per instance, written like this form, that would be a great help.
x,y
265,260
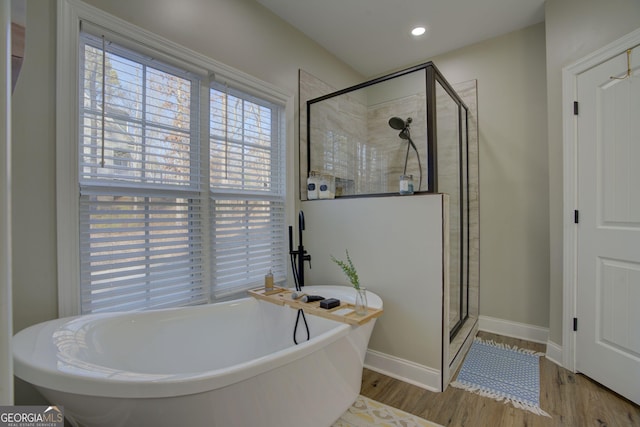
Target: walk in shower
x,y
361,140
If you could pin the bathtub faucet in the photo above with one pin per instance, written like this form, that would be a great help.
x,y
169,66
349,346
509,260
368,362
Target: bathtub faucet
x,y
300,255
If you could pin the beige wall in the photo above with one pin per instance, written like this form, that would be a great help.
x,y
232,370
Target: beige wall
x,y
6,366
238,33
514,223
574,28
35,294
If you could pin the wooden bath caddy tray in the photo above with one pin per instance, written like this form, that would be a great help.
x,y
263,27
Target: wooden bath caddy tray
x,y
345,312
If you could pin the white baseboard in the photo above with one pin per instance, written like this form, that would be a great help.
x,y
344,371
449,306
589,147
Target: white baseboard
x,y
554,352
404,370
514,329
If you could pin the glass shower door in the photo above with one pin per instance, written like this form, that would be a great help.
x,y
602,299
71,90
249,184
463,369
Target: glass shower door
x,y
452,180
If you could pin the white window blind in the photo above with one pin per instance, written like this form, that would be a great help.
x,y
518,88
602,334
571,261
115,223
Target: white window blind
x,y
247,190
141,234
159,224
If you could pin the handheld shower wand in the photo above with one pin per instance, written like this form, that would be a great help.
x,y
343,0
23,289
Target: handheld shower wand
x,y
403,126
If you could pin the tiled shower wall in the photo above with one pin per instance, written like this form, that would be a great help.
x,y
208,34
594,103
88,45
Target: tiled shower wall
x,y
391,149
361,148
339,133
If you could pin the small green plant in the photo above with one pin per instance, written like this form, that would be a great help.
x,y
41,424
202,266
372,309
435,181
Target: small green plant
x,y
348,269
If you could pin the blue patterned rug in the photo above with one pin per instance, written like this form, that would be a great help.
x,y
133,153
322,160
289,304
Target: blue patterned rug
x,y
504,373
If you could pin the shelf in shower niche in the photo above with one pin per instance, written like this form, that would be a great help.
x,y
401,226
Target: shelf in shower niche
x,y
345,312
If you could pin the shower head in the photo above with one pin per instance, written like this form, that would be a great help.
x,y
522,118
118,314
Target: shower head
x,y
397,123
403,126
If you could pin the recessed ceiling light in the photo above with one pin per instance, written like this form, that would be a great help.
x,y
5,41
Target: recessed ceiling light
x,y
418,31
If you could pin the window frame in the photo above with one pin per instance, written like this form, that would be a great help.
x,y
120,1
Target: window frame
x,y
70,14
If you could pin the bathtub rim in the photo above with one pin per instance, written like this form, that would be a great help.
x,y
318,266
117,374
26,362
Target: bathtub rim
x,y
43,371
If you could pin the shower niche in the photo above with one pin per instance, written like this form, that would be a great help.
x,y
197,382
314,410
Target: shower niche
x,y
365,139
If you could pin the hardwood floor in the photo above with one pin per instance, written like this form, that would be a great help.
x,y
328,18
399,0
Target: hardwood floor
x,y
570,399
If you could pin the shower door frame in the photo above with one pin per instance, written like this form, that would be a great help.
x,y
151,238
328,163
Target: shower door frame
x,y
434,76
431,72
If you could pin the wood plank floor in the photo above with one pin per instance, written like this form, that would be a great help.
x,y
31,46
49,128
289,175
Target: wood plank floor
x,y
570,399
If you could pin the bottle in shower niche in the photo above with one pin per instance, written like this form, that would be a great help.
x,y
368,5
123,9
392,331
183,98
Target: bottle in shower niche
x,y
312,186
268,281
406,184
327,187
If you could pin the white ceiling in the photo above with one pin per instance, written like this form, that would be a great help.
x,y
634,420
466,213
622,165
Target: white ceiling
x,y
373,36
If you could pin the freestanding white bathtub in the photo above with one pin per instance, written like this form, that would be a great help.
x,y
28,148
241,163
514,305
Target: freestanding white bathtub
x,y
218,365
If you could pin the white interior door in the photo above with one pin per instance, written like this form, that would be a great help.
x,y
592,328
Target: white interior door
x,y
608,236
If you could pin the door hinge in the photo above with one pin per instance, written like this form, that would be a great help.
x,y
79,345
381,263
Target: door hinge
x,y
575,108
576,216
575,323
